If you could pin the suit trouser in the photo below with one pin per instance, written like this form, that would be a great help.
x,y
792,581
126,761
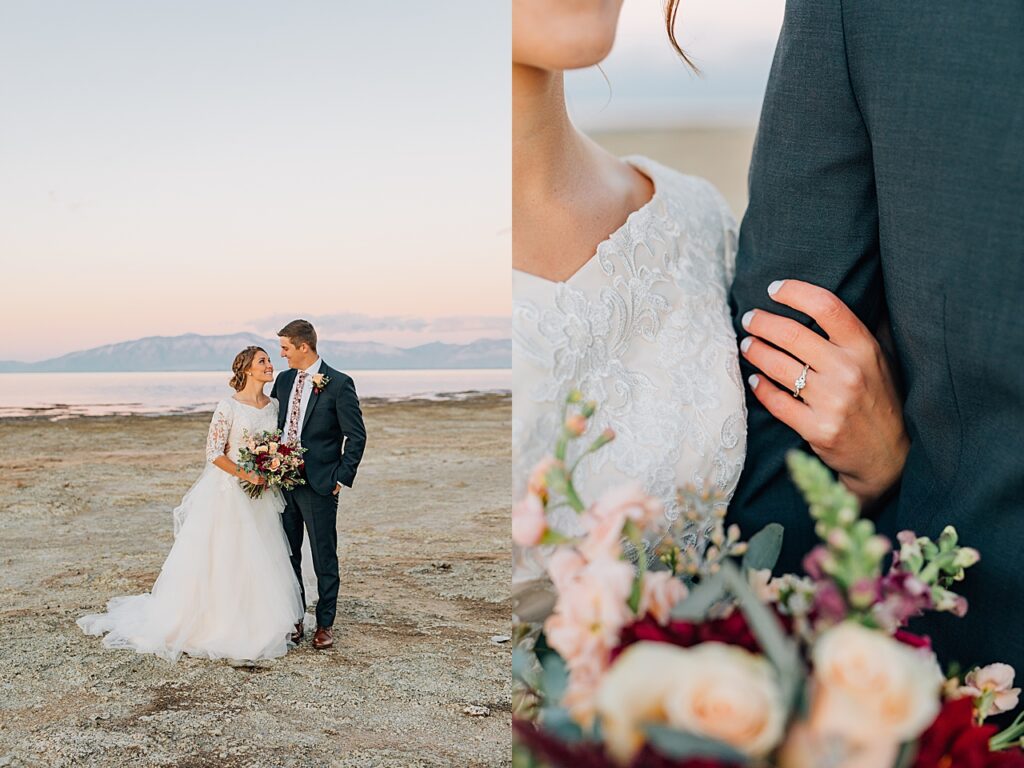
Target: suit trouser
x,y
305,508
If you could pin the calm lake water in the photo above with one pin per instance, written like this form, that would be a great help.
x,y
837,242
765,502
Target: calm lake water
x,y
65,395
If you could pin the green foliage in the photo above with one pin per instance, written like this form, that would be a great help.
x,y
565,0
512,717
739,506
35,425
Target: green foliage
x,y
764,548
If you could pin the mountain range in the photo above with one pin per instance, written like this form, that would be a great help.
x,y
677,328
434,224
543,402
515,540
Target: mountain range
x,y
195,352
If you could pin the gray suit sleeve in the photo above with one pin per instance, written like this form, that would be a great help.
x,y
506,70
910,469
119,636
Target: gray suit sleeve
x,y
812,216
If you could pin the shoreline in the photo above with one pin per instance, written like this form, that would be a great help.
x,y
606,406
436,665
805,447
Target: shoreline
x,y
66,411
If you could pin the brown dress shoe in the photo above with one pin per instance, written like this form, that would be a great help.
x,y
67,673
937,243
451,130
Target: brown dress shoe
x,y
298,634
323,638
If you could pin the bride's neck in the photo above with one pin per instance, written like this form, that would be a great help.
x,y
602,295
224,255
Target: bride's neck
x,y
547,150
252,391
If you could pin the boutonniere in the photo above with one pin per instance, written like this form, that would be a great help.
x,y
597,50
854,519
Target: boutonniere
x,y
319,382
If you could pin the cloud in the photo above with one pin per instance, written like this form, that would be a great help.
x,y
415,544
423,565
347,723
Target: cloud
x,y
396,329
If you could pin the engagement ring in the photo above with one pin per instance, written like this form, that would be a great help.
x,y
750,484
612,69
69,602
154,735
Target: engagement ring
x,y
801,382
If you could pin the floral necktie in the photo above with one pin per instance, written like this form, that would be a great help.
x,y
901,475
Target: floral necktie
x,y
292,438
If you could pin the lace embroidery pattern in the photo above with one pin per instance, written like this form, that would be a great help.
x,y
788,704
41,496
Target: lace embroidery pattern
x,y
645,331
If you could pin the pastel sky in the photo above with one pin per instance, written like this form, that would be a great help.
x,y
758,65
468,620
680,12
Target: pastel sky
x,y
187,166
732,41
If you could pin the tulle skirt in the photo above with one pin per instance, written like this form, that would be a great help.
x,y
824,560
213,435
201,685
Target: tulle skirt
x,y
226,590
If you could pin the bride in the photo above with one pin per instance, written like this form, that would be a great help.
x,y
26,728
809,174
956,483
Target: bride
x,y
227,589
621,275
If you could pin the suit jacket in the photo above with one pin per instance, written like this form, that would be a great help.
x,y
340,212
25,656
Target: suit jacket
x,y
332,430
889,168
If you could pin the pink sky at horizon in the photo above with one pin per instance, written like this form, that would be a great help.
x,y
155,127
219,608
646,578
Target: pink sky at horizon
x,y
194,168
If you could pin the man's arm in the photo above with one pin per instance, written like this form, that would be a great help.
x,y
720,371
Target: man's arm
x,y
812,216
350,419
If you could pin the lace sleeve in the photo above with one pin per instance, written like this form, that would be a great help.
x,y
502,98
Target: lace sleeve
x,y
220,426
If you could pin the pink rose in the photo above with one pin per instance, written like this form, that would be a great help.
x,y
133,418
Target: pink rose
x,y
528,521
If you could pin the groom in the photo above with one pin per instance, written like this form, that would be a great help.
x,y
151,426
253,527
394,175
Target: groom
x,y
889,169
319,410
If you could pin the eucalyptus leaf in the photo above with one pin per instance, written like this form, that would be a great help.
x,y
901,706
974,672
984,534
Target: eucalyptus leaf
x,y
905,758
558,722
523,668
780,649
763,548
697,604
681,745
555,676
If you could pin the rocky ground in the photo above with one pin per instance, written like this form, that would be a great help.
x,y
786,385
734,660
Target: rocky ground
x,y
418,675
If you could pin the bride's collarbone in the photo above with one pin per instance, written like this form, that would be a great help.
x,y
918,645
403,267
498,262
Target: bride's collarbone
x,y
259,405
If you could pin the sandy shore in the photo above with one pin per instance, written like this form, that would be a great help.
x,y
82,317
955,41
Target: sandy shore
x,y
719,154
424,549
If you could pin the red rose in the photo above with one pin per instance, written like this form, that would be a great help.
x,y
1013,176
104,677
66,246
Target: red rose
x,y
732,630
557,753
914,641
955,741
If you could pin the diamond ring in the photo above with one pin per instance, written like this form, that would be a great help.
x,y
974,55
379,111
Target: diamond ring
x,y
801,382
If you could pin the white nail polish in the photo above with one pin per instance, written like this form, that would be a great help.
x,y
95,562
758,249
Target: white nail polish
x,y
747,318
774,287
754,381
745,344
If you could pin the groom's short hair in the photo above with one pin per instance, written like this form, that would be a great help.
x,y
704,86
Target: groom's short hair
x,y
300,332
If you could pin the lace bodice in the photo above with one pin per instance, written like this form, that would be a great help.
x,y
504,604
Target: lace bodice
x,y
644,329
230,420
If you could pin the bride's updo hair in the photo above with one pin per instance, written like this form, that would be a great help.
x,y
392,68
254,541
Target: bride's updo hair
x,y
671,11
243,362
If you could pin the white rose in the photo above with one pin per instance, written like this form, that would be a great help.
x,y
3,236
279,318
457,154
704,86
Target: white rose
x,y
872,688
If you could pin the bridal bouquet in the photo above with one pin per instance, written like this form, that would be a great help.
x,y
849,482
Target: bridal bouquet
x,y
279,464
681,658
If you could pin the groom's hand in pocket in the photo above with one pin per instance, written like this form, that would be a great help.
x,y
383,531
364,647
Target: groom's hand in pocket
x,y
849,410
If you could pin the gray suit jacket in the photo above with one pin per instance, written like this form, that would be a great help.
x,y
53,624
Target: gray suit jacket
x,y
889,168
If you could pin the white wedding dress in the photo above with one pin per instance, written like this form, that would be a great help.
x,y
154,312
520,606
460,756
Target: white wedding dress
x,y
227,589
644,329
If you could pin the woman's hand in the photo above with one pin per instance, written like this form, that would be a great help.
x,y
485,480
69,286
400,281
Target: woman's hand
x,y
848,411
253,478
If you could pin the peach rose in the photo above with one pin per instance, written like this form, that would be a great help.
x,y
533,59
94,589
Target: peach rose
x,y
730,695
528,521
871,688
660,592
804,748
275,463
714,690
633,693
